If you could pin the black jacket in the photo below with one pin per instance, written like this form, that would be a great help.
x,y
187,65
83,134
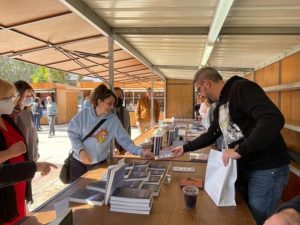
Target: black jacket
x,y
254,126
8,209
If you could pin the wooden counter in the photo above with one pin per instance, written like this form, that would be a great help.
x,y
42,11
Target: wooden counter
x,y
168,207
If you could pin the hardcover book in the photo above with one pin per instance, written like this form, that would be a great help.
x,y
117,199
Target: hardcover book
x,y
132,195
90,197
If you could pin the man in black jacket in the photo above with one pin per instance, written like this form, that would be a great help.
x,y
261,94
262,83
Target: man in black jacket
x,y
250,124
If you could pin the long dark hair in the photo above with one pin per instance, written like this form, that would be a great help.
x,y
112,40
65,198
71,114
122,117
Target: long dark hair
x,y
102,92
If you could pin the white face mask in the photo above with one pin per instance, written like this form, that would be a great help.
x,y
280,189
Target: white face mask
x,y
6,106
28,101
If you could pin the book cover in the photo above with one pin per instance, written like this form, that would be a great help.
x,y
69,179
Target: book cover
x,y
157,172
139,168
132,183
155,188
139,175
153,180
115,180
97,186
132,195
87,197
198,157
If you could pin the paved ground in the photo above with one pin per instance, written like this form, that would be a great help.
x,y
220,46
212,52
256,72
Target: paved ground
x,y
54,150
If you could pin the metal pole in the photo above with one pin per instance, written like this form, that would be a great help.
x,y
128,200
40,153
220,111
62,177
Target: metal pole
x,y
111,61
152,100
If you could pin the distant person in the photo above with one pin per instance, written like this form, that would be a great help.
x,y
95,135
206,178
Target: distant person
x,y
37,112
12,152
287,214
86,102
122,113
96,148
197,106
51,114
251,125
143,112
23,117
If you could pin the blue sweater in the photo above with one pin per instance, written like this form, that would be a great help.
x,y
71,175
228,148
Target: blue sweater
x,y
98,145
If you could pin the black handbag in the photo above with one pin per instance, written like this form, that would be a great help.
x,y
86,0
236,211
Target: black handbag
x,y
64,174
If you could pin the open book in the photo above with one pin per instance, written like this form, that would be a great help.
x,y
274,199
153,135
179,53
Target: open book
x,y
86,196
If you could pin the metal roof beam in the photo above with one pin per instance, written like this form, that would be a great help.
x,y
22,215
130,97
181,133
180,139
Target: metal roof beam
x,y
205,30
162,30
232,69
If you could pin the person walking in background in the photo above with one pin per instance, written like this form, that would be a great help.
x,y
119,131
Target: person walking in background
x,y
251,125
123,115
51,114
37,112
23,117
94,150
86,102
143,112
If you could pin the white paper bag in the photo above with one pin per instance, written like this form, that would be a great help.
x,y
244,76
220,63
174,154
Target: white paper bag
x,y
220,179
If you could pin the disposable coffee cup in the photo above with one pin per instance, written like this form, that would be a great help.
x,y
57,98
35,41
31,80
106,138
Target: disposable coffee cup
x,y
190,194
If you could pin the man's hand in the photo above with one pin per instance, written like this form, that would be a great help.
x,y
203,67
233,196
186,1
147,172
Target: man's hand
x,y
138,124
147,154
178,151
85,157
229,154
44,167
284,217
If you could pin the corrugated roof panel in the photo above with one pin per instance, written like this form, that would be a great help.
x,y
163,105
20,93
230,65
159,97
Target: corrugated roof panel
x,y
270,13
169,49
248,51
154,13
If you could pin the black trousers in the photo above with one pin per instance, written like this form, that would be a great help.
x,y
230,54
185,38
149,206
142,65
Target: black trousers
x,y
77,168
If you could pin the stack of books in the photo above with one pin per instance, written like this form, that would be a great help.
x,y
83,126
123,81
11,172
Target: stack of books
x,y
131,200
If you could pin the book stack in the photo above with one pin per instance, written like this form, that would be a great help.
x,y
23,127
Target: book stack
x,y
131,200
157,144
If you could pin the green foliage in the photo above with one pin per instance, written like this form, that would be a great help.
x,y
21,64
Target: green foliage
x,y
13,70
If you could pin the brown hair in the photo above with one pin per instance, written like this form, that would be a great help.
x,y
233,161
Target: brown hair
x,y
207,73
102,92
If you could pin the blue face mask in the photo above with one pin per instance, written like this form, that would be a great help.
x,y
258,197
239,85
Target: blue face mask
x,y
28,101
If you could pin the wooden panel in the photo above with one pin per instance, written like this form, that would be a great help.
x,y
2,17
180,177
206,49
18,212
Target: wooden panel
x,y
290,68
290,101
61,106
292,189
71,106
274,97
249,76
268,76
179,98
292,139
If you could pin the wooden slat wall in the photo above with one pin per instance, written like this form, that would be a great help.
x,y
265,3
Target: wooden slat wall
x,y
179,98
249,76
285,71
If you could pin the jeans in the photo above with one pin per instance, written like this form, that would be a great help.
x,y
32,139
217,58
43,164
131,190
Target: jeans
x,y
37,119
262,190
51,121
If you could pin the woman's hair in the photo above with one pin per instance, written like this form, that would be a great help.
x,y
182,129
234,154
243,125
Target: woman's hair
x,y
21,87
102,92
119,89
7,89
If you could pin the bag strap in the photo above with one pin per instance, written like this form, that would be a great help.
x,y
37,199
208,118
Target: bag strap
x,y
94,129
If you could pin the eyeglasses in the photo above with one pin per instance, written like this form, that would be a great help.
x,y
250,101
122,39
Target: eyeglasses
x,y
11,98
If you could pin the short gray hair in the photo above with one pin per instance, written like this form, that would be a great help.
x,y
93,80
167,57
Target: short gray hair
x,y
207,73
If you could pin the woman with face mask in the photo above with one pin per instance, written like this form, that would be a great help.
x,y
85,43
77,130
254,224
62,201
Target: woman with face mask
x,y
23,117
123,115
15,169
